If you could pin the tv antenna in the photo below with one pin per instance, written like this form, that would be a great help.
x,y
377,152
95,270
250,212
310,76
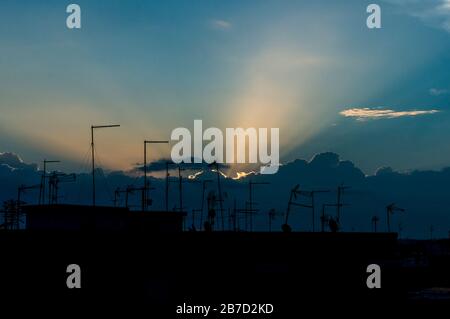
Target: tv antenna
x,y
204,184
43,177
390,210
219,190
250,199
145,202
339,205
93,127
53,185
311,194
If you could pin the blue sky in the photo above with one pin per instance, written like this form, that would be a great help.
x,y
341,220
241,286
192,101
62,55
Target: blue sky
x,y
153,66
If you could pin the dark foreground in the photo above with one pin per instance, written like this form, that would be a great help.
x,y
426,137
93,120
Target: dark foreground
x,y
148,276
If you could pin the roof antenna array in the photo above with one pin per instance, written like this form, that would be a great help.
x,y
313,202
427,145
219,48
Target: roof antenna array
x,y
297,192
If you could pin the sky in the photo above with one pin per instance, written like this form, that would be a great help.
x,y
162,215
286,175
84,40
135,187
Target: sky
x,y
312,68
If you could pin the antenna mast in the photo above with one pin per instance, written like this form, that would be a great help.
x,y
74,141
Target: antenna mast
x,y
340,190
250,199
145,191
43,177
93,127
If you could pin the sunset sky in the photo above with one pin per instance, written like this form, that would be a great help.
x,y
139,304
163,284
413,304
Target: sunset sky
x,y
311,68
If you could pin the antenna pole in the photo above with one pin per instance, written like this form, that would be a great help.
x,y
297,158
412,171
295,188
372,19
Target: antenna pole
x,y
116,196
144,193
339,205
93,165
390,209
167,186
43,177
42,188
93,156
126,196
203,201
313,205
220,193
322,219
289,207
145,190
313,212
250,204
203,205
250,198
180,188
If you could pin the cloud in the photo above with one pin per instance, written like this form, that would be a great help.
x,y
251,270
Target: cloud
x,y
432,12
221,24
438,15
437,92
366,113
369,194
160,165
240,175
194,176
13,161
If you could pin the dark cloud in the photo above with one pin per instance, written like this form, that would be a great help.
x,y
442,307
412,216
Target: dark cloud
x,y
13,161
160,165
424,194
